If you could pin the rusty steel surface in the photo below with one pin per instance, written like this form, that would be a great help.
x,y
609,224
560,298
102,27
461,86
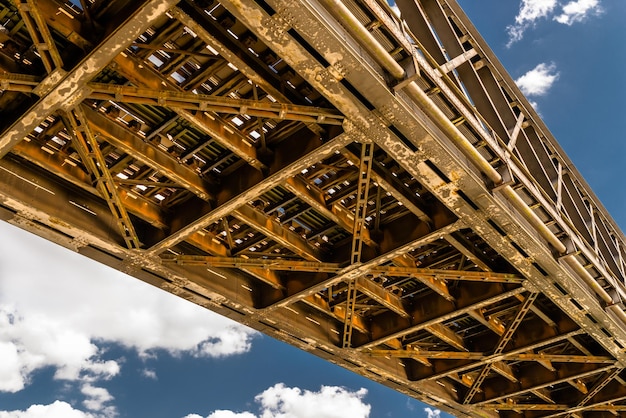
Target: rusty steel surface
x,y
372,190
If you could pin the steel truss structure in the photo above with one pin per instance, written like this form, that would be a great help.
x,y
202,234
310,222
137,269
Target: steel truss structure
x,y
373,190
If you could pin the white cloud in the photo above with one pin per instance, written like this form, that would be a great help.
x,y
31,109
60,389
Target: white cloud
x,y
97,398
11,379
280,401
150,374
530,11
577,11
538,81
230,414
28,343
58,409
329,402
224,414
57,309
432,413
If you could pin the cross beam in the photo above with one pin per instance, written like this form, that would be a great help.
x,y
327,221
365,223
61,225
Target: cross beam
x,y
307,266
218,104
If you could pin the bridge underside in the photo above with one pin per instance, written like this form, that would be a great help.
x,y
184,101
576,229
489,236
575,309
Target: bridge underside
x,y
375,192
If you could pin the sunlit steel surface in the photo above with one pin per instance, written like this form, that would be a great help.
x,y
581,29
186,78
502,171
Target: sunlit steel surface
x,y
373,190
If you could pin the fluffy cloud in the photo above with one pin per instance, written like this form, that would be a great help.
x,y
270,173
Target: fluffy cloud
x,y
329,402
57,409
97,398
224,414
230,414
59,309
28,343
538,81
577,11
531,11
432,413
281,401
11,379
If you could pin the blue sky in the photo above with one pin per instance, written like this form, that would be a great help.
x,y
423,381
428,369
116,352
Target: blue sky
x,y
79,340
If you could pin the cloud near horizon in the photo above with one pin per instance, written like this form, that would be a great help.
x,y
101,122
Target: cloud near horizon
x,y
278,401
281,401
64,309
432,413
531,11
58,409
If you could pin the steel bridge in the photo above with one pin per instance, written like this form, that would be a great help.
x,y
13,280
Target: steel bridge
x,y
373,190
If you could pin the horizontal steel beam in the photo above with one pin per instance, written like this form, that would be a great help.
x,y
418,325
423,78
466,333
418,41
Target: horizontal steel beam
x,y
465,355
208,103
310,266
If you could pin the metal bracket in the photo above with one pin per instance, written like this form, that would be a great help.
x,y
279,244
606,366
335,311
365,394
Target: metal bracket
x,y
412,70
507,177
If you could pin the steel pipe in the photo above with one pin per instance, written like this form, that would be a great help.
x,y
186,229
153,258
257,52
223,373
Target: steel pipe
x,y
618,311
418,95
588,278
364,37
571,260
593,283
532,217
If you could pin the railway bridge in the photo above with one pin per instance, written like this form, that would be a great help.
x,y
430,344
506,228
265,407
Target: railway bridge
x,y
372,189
